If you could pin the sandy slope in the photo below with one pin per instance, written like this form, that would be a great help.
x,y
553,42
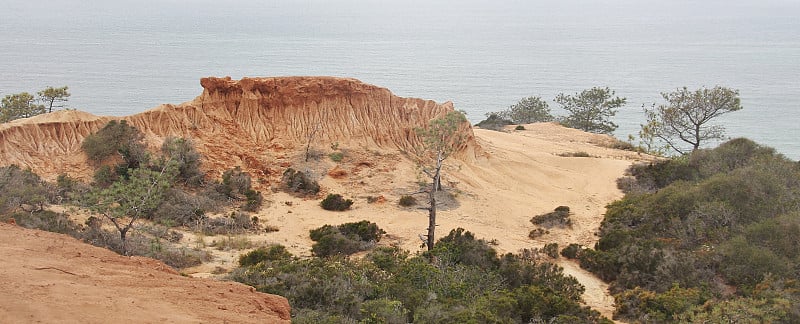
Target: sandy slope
x,y
52,278
521,175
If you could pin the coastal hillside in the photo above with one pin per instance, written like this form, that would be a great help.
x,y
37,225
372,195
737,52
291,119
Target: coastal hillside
x,y
249,123
494,184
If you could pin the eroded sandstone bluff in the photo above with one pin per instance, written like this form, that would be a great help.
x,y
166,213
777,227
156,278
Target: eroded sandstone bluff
x,y
251,123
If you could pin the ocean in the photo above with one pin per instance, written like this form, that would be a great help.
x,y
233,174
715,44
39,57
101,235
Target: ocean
x,y
124,57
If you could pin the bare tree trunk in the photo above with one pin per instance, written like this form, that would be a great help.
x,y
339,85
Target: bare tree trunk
x,y
435,185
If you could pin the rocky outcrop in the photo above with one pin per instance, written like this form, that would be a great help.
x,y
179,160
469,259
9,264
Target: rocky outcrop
x,y
245,123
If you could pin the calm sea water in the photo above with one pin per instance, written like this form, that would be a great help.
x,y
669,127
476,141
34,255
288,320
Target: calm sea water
x,y
124,57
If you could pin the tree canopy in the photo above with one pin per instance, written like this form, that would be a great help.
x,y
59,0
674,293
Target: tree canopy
x,y
54,97
19,105
685,119
529,110
591,110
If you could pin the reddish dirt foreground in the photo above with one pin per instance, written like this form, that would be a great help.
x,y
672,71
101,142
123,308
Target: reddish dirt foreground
x,y
52,278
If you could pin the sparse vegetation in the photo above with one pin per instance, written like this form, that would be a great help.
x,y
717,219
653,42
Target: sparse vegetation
x,y
299,183
557,218
407,201
336,202
519,127
336,156
575,154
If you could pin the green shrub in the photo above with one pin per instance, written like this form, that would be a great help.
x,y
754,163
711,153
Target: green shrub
x,y
571,251
336,202
519,127
559,217
537,232
336,156
21,189
407,201
236,185
299,183
551,250
182,151
116,138
273,252
344,239
365,230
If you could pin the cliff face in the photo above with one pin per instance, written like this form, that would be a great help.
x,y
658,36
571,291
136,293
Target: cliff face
x,y
246,123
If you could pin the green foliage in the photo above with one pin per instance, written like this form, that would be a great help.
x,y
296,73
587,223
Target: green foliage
x,y
116,138
44,220
685,118
336,156
181,208
407,201
642,305
461,247
710,222
529,110
53,97
557,218
182,151
344,239
19,105
494,121
274,252
571,251
441,138
299,183
519,127
336,202
591,110
127,200
467,283
236,185
21,190
551,250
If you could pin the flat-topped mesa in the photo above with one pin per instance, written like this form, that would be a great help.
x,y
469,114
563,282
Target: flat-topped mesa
x,y
241,123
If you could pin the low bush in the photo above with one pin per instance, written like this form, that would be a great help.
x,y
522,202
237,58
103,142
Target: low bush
x,y
494,122
336,202
407,201
344,239
551,250
559,217
236,222
336,156
273,252
571,251
299,183
537,232
574,154
116,138
519,127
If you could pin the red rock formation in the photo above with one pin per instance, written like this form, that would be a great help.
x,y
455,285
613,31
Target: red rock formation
x,y
241,122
